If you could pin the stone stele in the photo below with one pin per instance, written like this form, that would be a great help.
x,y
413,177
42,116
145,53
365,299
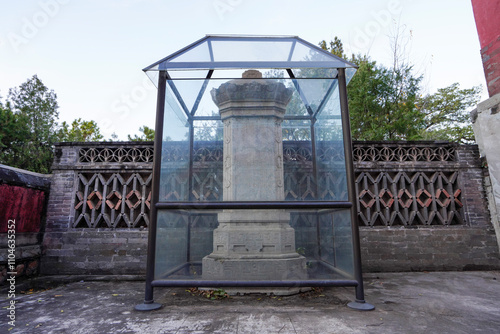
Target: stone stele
x,y
253,244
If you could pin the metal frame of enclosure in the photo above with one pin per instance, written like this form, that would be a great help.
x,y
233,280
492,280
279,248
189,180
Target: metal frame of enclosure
x,y
218,58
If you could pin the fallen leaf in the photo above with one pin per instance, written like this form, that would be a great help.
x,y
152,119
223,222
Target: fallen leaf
x,y
114,294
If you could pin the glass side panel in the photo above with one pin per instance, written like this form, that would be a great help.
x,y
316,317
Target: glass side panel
x,y
313,245
189,91
207,161
249,140
175,107
349,73
330,155
315,92
206,105
175,151
153,76
315,73
192,74
267,73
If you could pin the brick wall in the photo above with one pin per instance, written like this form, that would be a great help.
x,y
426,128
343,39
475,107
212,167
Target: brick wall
x,y
23,199
465,241
438,248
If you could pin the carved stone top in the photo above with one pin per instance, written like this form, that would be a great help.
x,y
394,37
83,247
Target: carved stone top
x,y
251,88
252,74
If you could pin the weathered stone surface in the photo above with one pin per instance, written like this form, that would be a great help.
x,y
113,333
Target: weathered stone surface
x,y
486,124
264,268
256,244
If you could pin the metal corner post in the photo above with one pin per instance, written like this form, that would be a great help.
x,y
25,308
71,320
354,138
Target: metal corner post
x,y
149,303
360,303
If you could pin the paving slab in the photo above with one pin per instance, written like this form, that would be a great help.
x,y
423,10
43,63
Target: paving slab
x,y
435,302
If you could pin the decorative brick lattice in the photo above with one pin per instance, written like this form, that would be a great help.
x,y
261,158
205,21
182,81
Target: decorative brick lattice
x,y
112,200
112,154
409,198
405,184
292,151
403,152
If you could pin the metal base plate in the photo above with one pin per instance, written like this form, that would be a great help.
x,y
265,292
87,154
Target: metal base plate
x,y
361,306
147,307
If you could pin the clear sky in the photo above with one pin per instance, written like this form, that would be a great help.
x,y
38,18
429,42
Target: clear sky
x,y
91,53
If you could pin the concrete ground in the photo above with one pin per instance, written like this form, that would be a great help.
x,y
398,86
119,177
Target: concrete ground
x,y
437,302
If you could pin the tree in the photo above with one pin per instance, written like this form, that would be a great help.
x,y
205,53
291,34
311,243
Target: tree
x,y
80,131
447,113
336,47
29,129
148,134
386,104
382,100
11,134
35,112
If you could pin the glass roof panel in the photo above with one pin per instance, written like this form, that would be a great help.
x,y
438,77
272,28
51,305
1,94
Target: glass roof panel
x,y
233,50
303,52
194,54
236,52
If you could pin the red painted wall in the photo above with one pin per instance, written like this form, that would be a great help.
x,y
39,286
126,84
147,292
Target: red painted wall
x,y
25,205
487,16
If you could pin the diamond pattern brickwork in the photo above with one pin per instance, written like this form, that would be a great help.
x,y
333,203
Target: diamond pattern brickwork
x,y
409,198
112,200
403,184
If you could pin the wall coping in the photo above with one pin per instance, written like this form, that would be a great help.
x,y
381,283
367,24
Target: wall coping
x,y
20,177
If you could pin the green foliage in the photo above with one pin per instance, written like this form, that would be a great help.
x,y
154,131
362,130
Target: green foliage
x,y
336,47
386,104
80,131
12,131
29,129
148,134
447,113
208,131
32,114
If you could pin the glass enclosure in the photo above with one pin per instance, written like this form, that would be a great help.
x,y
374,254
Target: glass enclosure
x,y
253,167
323,237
